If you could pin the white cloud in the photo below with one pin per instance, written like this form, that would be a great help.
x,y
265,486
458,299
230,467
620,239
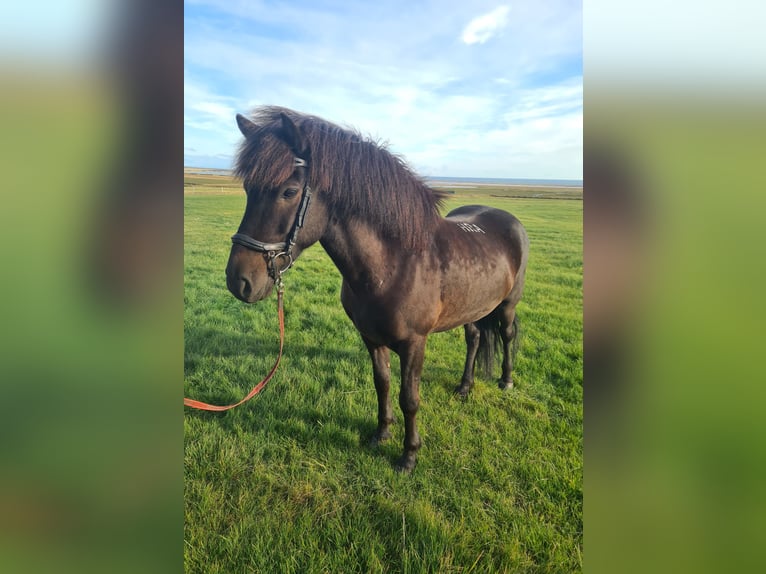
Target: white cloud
x,y
219,111
538,135
209,124
483,27
509,111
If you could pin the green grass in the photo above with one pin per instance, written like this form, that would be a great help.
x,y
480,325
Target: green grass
x,y
286,482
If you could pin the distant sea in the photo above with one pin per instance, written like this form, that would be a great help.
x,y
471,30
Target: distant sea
x,y
455,180
207,170
507,181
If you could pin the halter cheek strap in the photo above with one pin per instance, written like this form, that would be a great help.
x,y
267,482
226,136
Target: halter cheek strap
x,y
274,252
283,249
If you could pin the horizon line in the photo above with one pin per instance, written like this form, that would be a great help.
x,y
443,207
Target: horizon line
x,y
427,177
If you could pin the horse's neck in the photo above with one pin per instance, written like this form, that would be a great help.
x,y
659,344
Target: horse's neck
x,y
360,253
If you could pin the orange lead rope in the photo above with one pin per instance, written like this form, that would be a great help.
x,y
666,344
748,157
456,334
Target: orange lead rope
x,y
259,387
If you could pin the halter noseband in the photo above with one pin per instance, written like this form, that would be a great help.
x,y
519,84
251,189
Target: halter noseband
x,y
284,249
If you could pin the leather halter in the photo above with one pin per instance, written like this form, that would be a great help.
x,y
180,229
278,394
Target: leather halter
x,y
274,251
282,249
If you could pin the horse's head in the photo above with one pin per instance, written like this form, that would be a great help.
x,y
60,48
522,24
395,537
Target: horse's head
x,y
281,217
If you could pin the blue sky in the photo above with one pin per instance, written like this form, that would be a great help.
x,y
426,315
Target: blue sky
x,y
482,89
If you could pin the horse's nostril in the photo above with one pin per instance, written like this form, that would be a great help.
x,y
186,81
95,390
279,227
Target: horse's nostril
x,y
245,287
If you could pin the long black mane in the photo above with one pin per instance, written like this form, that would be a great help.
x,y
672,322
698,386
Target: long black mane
x,y
357,176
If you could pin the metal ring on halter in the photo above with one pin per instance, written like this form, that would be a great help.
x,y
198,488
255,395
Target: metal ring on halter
x,y
290,262
273,251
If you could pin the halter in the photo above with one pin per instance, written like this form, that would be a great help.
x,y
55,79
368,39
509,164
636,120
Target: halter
x,y
273,251
283,249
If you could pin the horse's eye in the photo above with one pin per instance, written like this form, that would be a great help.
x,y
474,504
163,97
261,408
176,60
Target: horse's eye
x,y
289,193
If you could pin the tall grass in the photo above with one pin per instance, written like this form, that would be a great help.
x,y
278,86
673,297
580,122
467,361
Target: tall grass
x,y
286,482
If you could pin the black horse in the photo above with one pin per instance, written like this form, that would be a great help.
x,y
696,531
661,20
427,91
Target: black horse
x,y
407,271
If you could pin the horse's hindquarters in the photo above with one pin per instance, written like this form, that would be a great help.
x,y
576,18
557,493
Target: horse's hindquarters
x,y
482,255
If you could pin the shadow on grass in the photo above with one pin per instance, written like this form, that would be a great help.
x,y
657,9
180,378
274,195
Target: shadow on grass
x,y
336,436
291,411
277,417
219,342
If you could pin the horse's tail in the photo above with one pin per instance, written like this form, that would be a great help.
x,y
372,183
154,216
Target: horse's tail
x,y
515,334
490,341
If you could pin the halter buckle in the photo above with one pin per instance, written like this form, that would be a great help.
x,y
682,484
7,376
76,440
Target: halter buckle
x,y
284,250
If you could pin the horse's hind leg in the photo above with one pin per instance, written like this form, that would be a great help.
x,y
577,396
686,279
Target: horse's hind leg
x,y
472,338
381,374
508,334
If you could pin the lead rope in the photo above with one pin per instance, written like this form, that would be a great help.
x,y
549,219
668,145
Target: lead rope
x,y
259,387
269,248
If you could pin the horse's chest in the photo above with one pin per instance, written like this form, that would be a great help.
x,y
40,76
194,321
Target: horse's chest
x,y
384,318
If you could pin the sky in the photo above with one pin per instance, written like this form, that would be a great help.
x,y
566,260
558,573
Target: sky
x,y
459,89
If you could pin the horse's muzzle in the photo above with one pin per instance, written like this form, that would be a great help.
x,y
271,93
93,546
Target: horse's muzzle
x,y
247,277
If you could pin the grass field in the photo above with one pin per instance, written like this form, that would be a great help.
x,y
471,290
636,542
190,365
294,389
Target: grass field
x,y
286,482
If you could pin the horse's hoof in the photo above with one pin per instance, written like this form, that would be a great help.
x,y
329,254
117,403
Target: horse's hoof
x,y
462,391
405,464
379,438
504,386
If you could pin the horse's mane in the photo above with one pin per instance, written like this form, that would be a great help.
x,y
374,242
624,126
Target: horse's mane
x,y
357,176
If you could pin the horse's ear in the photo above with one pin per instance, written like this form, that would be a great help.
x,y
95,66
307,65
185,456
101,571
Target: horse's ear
x,y
293,136
245,126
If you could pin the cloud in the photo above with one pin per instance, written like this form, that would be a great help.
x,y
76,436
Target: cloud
x,y
483,27
399,76
209,125
537,134
214,109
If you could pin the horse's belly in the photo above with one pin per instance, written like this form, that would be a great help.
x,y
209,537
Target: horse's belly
x,y
470,302
452,320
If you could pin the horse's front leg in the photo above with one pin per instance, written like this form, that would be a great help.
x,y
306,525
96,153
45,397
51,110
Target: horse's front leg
x,y
411,354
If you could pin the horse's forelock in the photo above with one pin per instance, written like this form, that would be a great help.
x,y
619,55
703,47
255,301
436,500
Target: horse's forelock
x,y
264,161
357,175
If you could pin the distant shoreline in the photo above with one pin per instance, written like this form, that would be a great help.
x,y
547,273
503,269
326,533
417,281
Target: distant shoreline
x,y
478,184
454,182
467,182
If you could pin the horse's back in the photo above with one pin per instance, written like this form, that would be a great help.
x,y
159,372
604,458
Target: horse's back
x,y
499,222
478,214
